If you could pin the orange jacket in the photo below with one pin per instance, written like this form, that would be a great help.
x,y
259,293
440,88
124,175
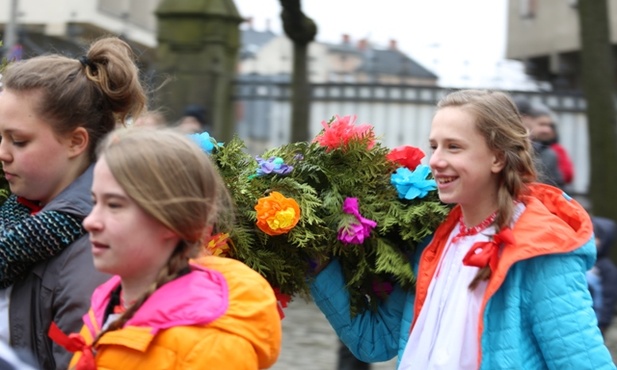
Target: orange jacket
x,y
222,315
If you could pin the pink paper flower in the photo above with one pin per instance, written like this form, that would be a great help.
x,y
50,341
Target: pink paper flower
x,y
341,130
357,231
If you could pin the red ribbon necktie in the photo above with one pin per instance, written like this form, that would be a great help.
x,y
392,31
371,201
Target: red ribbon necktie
x,y
464,231
74,343
483,254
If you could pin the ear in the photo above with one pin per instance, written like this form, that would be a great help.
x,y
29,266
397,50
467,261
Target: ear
x,y
77,142
168,234
499,162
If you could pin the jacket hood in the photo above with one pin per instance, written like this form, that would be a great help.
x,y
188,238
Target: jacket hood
x,y
552,223
196,298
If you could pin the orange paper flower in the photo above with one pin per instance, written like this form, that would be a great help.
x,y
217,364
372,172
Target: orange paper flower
x,y
277,214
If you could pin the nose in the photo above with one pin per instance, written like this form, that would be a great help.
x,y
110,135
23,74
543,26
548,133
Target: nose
x,y
436,160
92,223
5,154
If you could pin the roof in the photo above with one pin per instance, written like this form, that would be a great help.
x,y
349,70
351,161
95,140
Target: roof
x,y
390,61
383,61
251,41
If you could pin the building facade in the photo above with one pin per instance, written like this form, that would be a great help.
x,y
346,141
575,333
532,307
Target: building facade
x,y
545,35
358,62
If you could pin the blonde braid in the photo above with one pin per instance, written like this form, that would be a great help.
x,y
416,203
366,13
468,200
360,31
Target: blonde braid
x,y
176,263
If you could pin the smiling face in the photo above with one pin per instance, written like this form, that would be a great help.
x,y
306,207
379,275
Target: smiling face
x,y
465,169
38,163
126,241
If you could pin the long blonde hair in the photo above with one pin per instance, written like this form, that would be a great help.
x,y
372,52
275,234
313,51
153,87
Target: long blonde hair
x,y
498,121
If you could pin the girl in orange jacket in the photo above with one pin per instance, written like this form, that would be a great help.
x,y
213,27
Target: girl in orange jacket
x,y
156,197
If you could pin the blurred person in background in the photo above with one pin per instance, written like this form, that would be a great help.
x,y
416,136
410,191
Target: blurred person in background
x,y
564,162
194,120
347,361
602,278
538,119
152,119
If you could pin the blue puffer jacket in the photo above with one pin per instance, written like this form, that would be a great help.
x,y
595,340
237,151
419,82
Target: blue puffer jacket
x,y
537,310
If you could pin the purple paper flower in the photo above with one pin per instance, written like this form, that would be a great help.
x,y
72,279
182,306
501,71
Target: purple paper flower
x,y
272,165
352,234
411,185
360,228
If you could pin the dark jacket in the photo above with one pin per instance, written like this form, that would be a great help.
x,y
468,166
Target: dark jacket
x,y
605,230
547,164
58,289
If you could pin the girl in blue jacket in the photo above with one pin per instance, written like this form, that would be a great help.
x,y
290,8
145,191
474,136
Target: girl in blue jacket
x,y
502,283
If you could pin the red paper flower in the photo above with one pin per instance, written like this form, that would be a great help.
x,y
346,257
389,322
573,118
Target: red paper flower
x,y
282,300
342,130
406,156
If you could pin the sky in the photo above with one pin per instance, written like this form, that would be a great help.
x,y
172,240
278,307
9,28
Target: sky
x,y
462,41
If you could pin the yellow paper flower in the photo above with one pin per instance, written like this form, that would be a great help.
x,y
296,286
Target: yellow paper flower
x,y
218,245
277,214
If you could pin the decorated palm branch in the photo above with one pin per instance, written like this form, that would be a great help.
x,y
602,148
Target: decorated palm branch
x,y
342,196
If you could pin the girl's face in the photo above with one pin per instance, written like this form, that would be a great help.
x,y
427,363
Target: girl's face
x,y
465,169
38,163
126,241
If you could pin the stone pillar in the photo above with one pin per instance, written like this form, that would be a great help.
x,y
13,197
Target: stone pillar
x,y
198,42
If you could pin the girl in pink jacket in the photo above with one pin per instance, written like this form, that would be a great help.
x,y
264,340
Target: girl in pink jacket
x,y
156,198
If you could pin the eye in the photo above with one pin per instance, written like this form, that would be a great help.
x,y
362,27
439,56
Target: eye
x,y
114,205
18,141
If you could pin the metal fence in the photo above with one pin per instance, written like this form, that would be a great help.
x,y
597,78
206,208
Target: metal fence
x,y
400,115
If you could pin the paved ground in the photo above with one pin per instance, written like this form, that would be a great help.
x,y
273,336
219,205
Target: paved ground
x,y
611,339
310,344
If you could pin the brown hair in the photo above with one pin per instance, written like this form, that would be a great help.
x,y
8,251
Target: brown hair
x,y
175,182
95,92
498,121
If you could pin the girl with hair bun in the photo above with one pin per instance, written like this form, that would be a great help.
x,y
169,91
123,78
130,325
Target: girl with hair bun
x,y
157,197
502,284
53,112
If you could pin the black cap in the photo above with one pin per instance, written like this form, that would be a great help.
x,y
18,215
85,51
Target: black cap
x,y
196,111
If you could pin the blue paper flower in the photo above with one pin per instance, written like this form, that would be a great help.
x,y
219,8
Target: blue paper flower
x,y
272,165
411,185
205,141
